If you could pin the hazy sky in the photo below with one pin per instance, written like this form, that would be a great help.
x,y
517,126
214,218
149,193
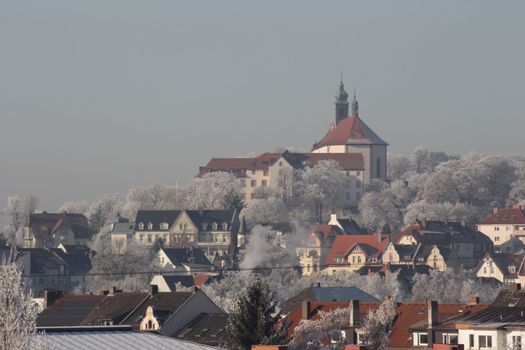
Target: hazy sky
x,y
97,96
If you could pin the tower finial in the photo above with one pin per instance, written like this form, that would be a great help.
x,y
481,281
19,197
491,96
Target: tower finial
x,y
341,77
355,105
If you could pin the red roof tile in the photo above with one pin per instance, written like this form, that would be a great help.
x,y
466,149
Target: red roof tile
x,y
408,314
343,243
351,130
505,216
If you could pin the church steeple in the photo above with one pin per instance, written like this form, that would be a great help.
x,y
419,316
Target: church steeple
x,y
341,103
355,106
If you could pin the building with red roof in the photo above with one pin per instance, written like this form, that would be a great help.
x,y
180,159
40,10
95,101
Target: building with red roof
x,y
356,148
502,225
352,252
411,327
350,134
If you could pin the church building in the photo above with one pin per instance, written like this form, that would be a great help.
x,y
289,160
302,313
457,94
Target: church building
x,y
350,134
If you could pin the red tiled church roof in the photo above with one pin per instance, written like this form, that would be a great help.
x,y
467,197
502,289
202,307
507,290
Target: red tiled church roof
x,y
350,130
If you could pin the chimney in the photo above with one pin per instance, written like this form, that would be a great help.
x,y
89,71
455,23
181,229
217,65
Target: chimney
x,y
305,310
318,284
432,310
494,210
195,289
153,289
355,316
474,300
112,290
50,296
379,237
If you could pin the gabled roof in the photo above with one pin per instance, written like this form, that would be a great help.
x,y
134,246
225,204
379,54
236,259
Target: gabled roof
x,y
114,308
326,294
180,256
350,131
42,259
503,261
343,243
507,216
199,217
208,329
77,258
44,225
69,310
167,303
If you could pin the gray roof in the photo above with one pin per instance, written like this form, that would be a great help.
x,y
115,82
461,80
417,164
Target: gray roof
x,y
123,227
106,338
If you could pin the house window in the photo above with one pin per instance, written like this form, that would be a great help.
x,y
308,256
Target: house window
x,y
253,183
149,238
485,341
142,238
243,183
450,338
253,172
423,338
471,340
164,226
512,269
224,226
141,226
358,173
496,238
265,173
496,228
516,342
204,226
280,163
485,270
348,196
150,226
214,226
263,183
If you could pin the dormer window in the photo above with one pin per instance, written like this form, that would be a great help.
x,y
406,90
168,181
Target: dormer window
x,y
204,226
512,269
164,226
214,226
224,226
141,226
150,226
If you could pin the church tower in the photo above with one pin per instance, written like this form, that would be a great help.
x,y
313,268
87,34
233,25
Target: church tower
x,y
341,103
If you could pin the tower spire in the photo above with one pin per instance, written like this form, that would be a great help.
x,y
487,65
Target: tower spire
x,y
341,102
355,105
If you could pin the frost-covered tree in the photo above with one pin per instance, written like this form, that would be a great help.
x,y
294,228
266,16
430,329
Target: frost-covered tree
x,y
323,333
17,210
104,211
125,271
425,161
17,310
254,316
378,324
398,165
451,286
322,188
218,190
379,209
265,211
156,196
442,211
517,193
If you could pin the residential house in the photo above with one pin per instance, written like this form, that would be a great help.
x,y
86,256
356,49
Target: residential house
x,y
78,261
501,267
442,258
170,282
402,254
121,234
501,326
451,238
504,224
348,225
66,310
405,333
183,260
214,231
313,251
352,252
49,230
44,269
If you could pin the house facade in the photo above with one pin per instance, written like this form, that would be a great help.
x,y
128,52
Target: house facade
x,y
49,230
213,231
313,252
504,224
